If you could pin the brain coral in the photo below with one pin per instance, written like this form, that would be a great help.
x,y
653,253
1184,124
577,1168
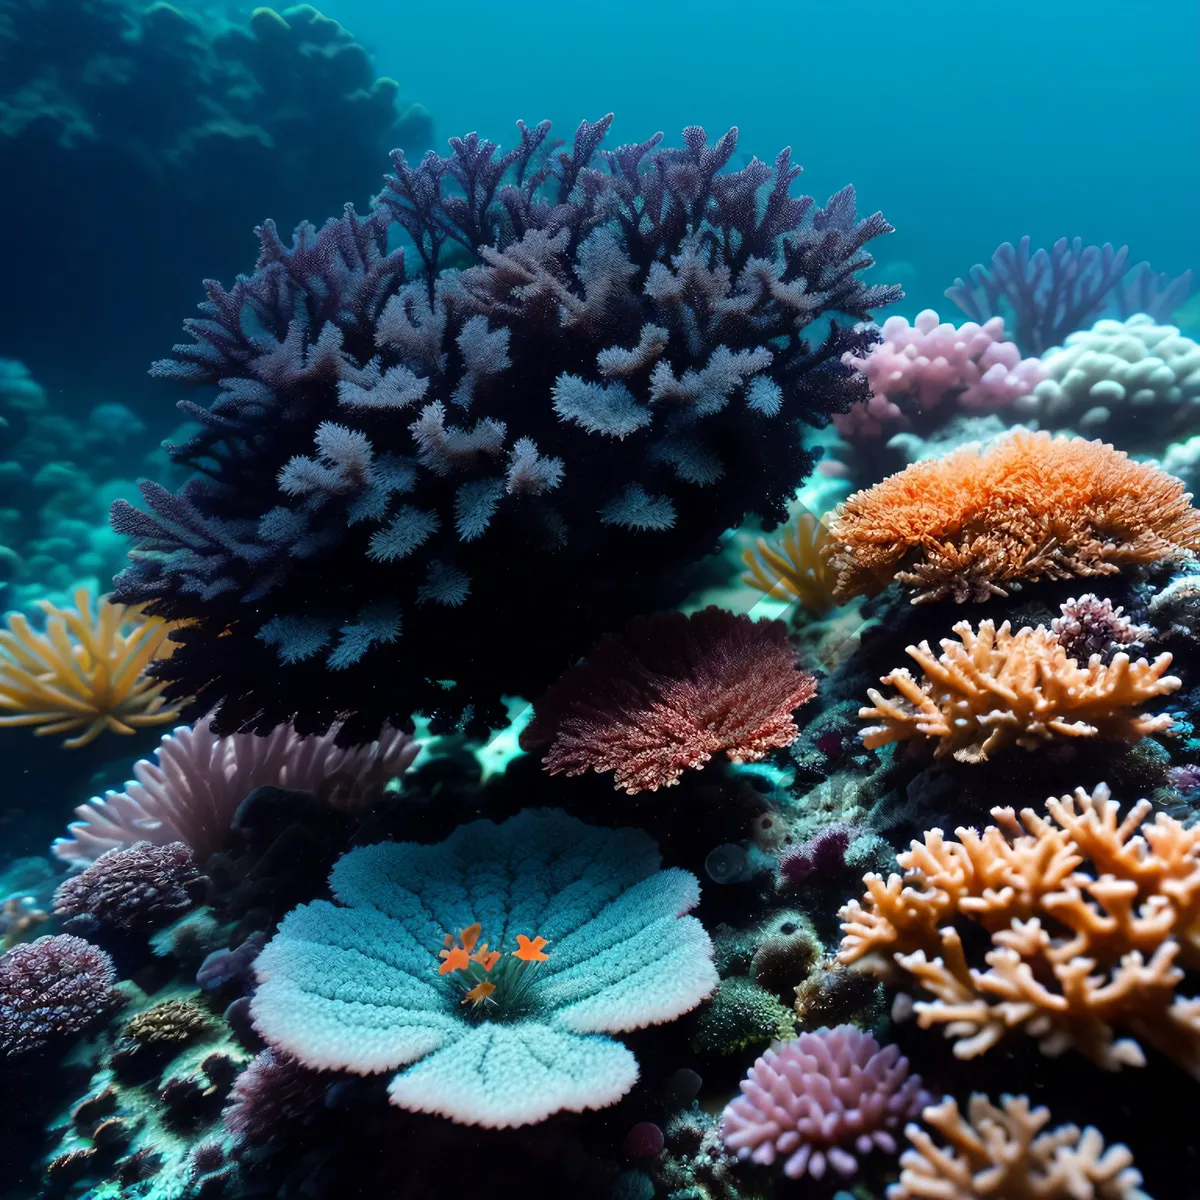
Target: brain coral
x,y
392,451
587,937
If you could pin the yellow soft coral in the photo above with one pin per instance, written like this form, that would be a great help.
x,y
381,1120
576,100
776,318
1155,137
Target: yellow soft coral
x,y
85,672
1028,507
1076,953
996,688
796,568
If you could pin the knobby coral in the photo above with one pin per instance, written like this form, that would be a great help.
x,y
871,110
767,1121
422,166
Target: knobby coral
x,y
395,451
1077,953
796,567
587,937
1027,507
668,693
820,1097
1004,1152
192,792
86,671
995,688
1090,626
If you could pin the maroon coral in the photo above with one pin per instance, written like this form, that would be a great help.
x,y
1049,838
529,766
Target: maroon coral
x,y
1090,626
51,990
274,1093
137,889
669,692
821,1099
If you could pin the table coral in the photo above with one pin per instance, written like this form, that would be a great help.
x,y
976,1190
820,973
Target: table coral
x,y
993,689
1004,1152
359,987
1092,918
981,521
668,693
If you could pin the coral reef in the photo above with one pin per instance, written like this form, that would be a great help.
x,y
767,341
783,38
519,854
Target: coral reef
x,y
191,793
620,379
818,1099
668,693
86,671
981,521
137,889
795,568
1075,955
994,688
358,988
1005,1151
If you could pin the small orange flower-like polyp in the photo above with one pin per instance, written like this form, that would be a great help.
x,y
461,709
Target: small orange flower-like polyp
x,y
530,951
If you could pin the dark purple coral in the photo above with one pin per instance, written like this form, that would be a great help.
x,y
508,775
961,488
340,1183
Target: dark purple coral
x,y
399,463
273,1095
137,889
52,990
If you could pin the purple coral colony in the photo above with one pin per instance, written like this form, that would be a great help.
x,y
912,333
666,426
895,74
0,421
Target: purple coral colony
x,y
616,700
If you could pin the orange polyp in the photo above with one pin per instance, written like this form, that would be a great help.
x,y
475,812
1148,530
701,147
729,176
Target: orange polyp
x,y
485,958
530,950
470,936
479,993
456,960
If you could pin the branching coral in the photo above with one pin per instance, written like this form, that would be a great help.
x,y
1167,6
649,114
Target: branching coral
x,y
395,452
587,937
668,693
1000,1152
1027,507
796,567
1092,918
86,671
995,688
191,793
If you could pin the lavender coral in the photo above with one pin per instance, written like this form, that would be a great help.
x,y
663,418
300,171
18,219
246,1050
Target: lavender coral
x,y
550,933
51,990
820,1100
394,450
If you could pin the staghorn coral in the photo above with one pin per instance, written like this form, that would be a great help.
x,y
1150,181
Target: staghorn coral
x,y
819,1099
1027,507
584,936
668,693
995,688
1004,1152
86,671
136,889
1090,626
400,450
1076,953
192,792
795,568
52,990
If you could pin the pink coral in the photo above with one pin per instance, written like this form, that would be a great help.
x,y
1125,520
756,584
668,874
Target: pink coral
x,y
820,1097
917,367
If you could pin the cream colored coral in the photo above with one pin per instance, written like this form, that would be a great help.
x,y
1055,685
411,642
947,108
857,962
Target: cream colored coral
x,y
1001,1153
796,568
996,688
1076,953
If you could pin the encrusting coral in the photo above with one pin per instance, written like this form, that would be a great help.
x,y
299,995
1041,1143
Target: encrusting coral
x,y
1004,1152
994,688
192,792
981,521
550,934
1076,954
86,671
795,567
669,692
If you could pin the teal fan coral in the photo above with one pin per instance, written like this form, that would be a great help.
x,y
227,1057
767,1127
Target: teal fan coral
x,y
587,937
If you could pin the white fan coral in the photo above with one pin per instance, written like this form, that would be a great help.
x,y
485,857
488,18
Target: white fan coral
x,y
191,793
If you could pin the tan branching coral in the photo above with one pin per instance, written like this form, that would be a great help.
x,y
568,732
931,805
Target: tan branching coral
x,y
1027,507
996,688
85,672
796,568
1000,1152
1091,917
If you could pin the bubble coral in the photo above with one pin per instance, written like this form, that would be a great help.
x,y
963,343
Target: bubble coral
x,y
820,1100
87,671
668,693
52,990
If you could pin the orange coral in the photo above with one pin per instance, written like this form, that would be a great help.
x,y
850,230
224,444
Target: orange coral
x,y
795,569
1001,1153
86,671
1027,507
1076,953
996,688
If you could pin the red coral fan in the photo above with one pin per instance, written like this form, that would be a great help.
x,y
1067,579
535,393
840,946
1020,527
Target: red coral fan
x,y
667,693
